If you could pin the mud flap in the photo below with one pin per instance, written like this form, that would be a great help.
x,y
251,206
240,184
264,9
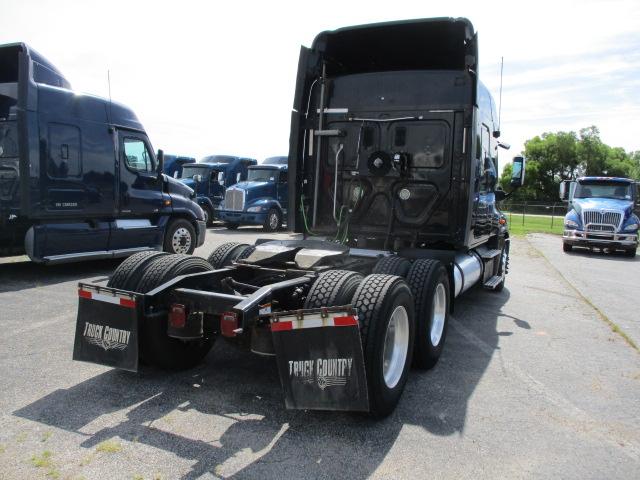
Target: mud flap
x,y
107,327
320,360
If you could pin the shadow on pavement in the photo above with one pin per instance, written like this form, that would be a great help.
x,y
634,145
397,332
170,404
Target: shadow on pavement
x,y
596,254
228,415
23,275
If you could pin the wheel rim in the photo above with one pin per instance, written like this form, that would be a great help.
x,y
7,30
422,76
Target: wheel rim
x,y
181,240
396,347
438,314
273,221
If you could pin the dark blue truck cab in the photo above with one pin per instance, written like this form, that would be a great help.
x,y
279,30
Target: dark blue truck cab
x,y
261,200
210,177
79,178
601,214
173,164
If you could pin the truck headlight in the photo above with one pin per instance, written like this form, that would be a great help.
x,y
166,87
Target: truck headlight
x,y
570,224
254,209
631,226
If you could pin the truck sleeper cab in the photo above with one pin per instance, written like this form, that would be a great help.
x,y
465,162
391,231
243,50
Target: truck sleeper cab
x,y
392,171
601,214
78,176
261,200
173,164
210,178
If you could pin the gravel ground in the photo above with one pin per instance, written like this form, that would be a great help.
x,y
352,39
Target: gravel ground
x,y
532,384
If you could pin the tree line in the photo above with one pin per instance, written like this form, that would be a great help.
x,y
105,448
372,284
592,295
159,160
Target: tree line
x,y
554,157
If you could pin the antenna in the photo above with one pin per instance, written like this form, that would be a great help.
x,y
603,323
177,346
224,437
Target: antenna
x,y
109,83
500,101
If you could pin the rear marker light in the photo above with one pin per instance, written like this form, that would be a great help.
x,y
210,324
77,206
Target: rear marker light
x,y
177,315
229,324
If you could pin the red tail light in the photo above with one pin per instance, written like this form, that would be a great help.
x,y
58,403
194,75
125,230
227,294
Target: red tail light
x,y
229,323
177,315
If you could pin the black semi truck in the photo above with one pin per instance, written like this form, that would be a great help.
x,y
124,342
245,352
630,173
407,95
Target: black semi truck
x,y
78,177
392,180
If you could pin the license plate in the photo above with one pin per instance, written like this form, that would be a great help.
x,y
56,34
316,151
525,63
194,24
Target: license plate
x,y
107,327
320,360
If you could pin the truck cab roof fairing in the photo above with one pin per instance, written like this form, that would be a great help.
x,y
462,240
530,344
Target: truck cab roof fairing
x,y
445,44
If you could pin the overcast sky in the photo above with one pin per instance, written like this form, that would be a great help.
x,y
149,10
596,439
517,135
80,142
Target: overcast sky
x,y
218,77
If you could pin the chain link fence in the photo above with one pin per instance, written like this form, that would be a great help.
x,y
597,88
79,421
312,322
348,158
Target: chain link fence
x,y
543,212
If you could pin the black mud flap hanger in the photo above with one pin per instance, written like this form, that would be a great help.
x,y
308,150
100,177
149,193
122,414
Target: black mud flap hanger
x,y
107,327
320,360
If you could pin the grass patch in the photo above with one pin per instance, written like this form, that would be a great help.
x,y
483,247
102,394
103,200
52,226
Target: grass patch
x,y
534,224
109,446
43,460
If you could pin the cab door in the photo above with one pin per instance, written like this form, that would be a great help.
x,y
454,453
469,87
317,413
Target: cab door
x,y
140,194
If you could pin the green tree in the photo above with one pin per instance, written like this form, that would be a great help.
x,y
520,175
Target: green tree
x,y
556,156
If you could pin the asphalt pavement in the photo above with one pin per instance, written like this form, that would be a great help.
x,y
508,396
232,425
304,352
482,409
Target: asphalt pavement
x,y
533,383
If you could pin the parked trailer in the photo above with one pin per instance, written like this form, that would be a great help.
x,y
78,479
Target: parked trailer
x,y
392,174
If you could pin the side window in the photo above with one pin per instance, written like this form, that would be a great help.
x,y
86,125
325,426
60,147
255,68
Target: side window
x,y
137,156
282,179
65,160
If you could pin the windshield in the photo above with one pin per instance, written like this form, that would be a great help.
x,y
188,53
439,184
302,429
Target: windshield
x,y
262,175
617,190
190,171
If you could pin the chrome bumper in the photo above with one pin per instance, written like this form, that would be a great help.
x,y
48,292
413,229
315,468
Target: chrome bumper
x,y
579,237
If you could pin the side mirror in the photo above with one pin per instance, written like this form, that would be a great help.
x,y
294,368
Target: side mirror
x,y
517,172
197,178
500,195
160,162
564,191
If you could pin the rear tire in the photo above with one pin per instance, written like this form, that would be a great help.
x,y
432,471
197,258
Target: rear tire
x,y
429,284
630,252
129,272
180,237
156,347
393,265
226,253
333,288
381,301
566,247
273,222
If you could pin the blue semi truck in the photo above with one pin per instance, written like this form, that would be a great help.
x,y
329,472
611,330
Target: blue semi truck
x,y
261,200
173,164
210,177
78,176
601,214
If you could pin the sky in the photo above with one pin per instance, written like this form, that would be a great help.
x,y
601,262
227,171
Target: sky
x,y
218,77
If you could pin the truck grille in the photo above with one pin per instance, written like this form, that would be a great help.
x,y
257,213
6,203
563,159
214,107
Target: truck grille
x,y
234,200
601,221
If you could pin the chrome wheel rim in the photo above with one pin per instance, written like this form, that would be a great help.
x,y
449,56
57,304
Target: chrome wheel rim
x,y
438,314
396,347
181,240
273,221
